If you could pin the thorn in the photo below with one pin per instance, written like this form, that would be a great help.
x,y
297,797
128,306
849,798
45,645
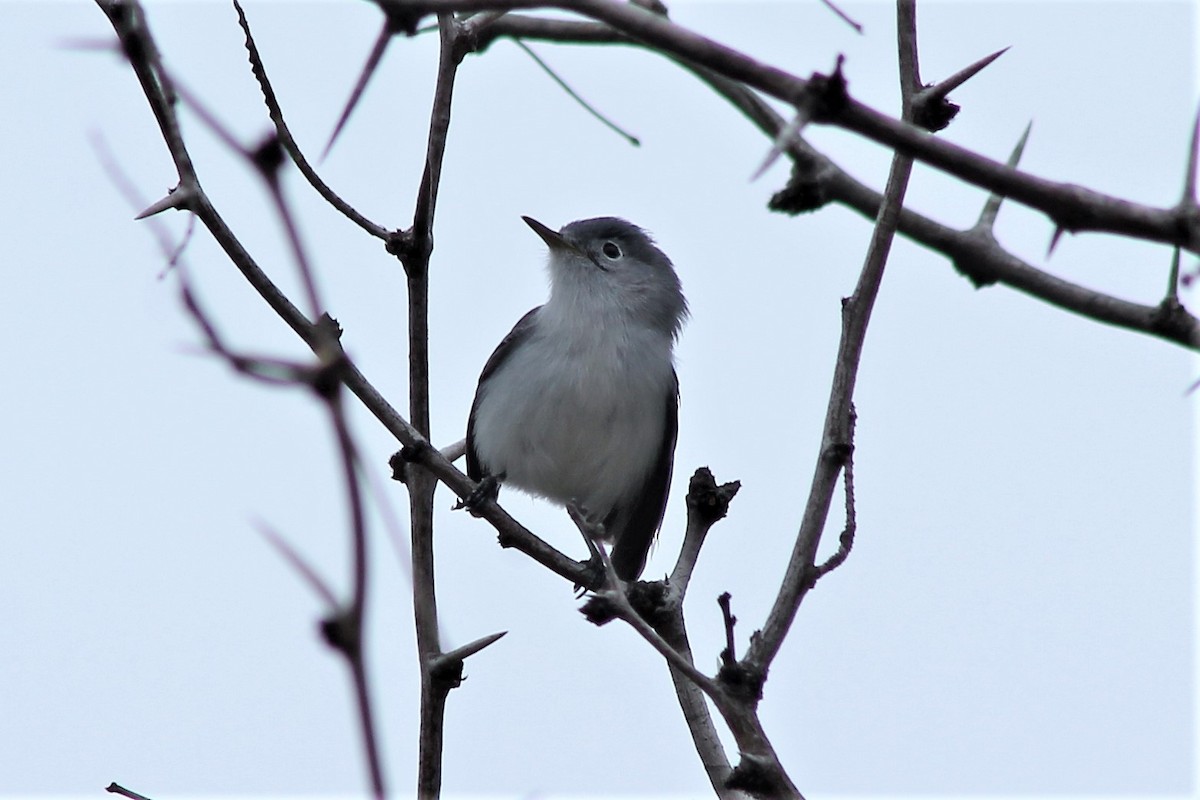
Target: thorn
x,y
178,197
1189,183
987,217
588,107
90,45
381,43
299,564
471,648
858,28
931,110
782,141
1172,298
1059,230
942,88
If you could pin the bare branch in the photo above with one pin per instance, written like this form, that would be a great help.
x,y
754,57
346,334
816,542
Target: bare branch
x,y
614,596
837,438
706,504
588,107
289,142
843,15
1074,208
817,180
116,788
846,540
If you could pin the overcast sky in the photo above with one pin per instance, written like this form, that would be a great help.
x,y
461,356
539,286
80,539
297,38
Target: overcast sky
x,y
1018,615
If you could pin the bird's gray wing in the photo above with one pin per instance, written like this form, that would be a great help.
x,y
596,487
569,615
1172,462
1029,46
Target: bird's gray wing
x,y
633,543
518,334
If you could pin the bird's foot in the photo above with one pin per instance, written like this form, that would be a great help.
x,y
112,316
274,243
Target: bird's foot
x,y
488,488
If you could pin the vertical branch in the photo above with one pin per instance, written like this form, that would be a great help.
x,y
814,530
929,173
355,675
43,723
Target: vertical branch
x,y
837,444
414,249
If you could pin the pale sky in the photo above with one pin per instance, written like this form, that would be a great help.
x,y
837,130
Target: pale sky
x,y
1017,617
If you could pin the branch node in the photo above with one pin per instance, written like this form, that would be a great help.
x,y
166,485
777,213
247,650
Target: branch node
x,y
825,96
445,674
402,459
267,157
446,670
708,500
341,631
757,776
741,680
807,188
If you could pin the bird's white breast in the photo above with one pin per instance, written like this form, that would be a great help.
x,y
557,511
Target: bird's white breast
x,y
577,411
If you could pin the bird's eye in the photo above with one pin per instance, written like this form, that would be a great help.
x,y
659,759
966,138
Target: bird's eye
x,y
611,250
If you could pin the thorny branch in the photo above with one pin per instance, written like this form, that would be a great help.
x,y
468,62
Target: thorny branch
x,y
817,180
1072,208
837,442
737,688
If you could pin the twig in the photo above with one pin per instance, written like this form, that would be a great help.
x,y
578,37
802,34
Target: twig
x,y
836,441
613,593
1074,208
116,788
588,107
858,28
846,540
289,142
818,180
706,504
729,654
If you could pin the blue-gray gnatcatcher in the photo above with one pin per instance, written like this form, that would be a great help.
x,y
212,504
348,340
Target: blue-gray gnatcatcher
x,y
580,402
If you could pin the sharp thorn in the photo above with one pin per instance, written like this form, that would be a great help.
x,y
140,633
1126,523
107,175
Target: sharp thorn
x,y
1173,278
1189,183
991,208
943,88
471,648
176,198
368,70
301,566
781,143
1058,232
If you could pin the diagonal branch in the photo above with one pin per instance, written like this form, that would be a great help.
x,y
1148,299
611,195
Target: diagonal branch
x,y
818,180
289,142
1072,208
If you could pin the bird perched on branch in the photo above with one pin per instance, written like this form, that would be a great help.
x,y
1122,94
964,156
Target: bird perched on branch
x,y
579,403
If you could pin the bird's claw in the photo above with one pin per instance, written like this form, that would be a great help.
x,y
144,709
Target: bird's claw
x,y
487,489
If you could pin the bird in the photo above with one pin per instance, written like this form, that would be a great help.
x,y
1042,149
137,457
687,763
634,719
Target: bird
x,y
579,403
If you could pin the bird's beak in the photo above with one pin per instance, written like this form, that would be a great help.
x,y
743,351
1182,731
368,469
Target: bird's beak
x,y
552,238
